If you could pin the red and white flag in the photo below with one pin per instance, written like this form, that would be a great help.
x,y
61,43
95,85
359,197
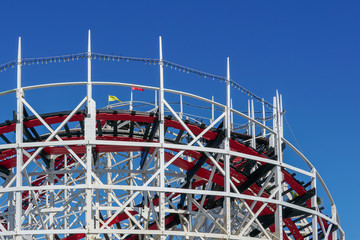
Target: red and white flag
x,y
137,88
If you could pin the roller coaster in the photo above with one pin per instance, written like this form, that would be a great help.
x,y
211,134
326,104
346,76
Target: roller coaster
x,y
152,170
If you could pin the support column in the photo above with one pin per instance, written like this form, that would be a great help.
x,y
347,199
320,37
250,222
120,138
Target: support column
x,y
181,106
253,136
278,173
161,141
334,213
263,118
131,154
281,117
227,202
212,110
131,100
66,194
156,100
90,135
231,117
274,125
52,198
314,205
108,181
248,129
11,206
19,140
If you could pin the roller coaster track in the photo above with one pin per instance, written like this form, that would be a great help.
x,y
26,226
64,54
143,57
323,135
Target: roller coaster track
x,y
249,176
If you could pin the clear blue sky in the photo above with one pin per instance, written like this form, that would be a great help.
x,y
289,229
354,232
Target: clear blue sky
x,y
308,50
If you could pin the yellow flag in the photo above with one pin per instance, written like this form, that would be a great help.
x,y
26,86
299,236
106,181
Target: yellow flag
x,y
113,98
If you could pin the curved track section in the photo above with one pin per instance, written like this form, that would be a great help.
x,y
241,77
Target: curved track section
x,y
132,198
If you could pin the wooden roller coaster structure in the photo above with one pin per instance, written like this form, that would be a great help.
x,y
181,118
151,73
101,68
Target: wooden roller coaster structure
x,y
122,173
